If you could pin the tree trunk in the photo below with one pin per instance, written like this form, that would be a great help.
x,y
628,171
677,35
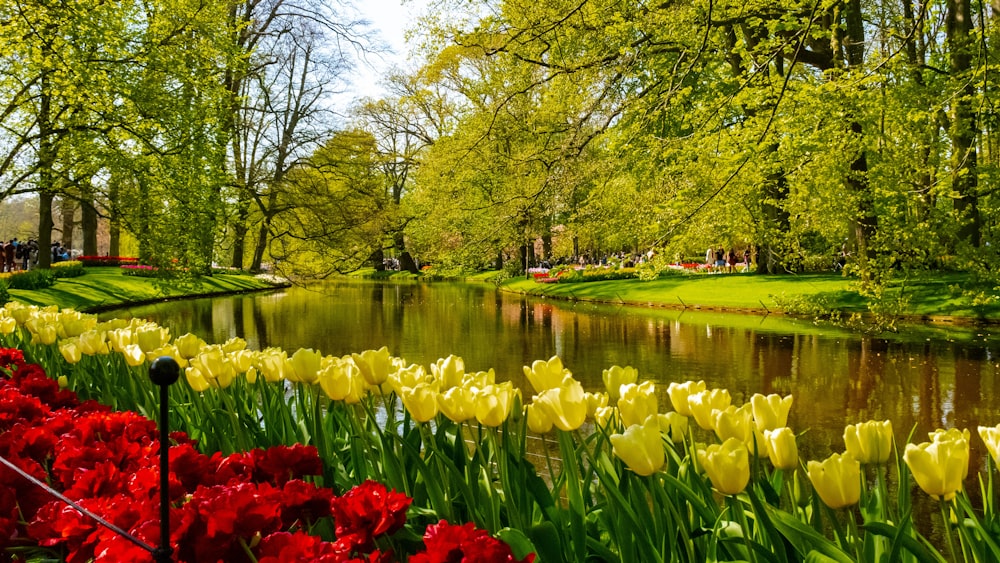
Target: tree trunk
x,y
88,224
46,177
240,231
67,207
406,262
958,26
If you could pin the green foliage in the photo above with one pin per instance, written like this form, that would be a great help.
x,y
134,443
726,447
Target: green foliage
x,y
31,279
4,294
68,269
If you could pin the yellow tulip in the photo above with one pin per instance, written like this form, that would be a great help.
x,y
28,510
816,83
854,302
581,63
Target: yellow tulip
x,y
234,344
494,403
70,350
63,381
565,406
674,425
615,376
545,374
640,447
449,371
595,401
420,401
734,422
479,379
603,416
837,480
7,325
704,402
373,365
305,364
727,466
151,336
196,380
270,362
770,412
410,376
679,393
637,402
869,442
242,360
458,404
538,419
189,345
134,356
213,363
991,437
120,338
940,466
73,323
781,448
341,381
20,312
251,375
94,343
42,332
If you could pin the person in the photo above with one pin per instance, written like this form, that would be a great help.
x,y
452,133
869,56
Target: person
x,y
8,256
746,260
710,258
720,259
732,260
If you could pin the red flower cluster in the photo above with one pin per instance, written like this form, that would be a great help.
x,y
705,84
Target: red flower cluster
x,y
107,260
463,544
241,507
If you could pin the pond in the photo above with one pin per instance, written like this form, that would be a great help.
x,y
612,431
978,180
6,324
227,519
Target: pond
x,y
920,379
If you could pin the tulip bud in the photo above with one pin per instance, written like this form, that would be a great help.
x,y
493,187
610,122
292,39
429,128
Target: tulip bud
x,y
70,350
837,480
991,437
189,345
727,466
420,401
449,371
640,447
940,466
674,425
457,403
565,406
545,374
494,402
781,448
770,412
615,376
637,402
679,393
305,363
703,403
538,421
373,365
869,442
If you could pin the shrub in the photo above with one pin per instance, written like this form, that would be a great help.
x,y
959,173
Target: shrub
x,y
69,269
4,294
32,279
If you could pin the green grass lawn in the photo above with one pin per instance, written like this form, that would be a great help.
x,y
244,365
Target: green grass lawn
x,y
933,296
103,288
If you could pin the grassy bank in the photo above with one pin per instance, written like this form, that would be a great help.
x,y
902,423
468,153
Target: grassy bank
x,y
103,288
937,298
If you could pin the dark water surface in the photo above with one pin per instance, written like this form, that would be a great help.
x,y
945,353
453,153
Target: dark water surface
x,y
917,379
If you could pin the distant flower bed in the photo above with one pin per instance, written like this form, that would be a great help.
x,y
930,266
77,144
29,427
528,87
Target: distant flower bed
x,y
107,260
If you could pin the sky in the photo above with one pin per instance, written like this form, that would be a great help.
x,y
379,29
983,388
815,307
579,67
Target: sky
x,y
389,18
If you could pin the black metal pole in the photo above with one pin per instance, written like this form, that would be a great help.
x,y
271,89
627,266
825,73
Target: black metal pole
x,y
163,372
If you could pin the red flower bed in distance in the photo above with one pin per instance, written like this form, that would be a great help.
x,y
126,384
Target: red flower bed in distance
x,y
224,508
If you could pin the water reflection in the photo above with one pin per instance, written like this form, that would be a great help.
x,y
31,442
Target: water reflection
x,y
837,378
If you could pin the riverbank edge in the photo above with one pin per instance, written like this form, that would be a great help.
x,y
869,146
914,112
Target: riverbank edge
x,y
104,308
111,299
857,316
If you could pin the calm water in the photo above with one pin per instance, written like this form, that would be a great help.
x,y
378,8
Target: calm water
x,y
836,377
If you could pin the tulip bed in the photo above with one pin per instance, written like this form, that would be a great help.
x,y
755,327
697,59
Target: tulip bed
x,y
570,476
255,506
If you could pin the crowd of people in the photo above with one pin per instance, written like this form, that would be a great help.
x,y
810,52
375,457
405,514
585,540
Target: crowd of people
x,y
18,255
718,260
